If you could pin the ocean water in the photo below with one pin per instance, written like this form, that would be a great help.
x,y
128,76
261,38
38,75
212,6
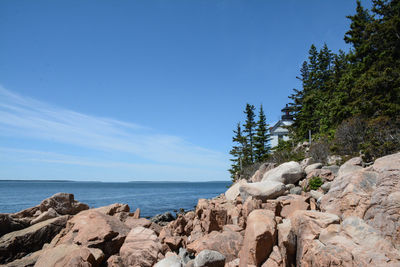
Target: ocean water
x,y
151,197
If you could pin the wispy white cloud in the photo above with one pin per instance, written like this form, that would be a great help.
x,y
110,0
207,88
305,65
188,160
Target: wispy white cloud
x,y
100,169
25,117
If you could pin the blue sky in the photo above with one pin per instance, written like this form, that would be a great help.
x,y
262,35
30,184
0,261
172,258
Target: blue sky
x,y
146,90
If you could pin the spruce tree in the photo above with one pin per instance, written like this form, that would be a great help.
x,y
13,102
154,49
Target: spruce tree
x,y
359,33
249,130
262,138
237,152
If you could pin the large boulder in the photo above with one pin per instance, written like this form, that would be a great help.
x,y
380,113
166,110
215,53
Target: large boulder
x,y
133,223
287,243
27,214
249,205
94,229
17,244
113,209
372,194
350,194
259,238
258,175
141,248
118,210
350,166
287,173
383,213
63,203
9,224
233,192
352,243
212,217
334,169
291,203
312,167
49,214
228,243
70,255
27,261
262,190
306,226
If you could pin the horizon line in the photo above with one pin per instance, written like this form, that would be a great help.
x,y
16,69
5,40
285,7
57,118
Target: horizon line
x,y
97,181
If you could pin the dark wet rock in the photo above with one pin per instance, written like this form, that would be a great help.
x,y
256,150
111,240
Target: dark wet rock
x,y
163,219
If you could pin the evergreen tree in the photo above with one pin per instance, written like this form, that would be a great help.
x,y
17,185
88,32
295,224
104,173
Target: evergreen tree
x,y
364,82
359,33
237,152
324,89
375,59
262,138
249,130
335,88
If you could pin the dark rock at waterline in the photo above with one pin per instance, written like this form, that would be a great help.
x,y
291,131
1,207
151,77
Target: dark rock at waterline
x,y
163,219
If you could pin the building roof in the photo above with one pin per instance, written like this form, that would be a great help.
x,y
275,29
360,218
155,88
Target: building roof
x,y
279,124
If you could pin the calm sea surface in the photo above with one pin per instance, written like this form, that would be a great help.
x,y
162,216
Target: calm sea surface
x,y
151,197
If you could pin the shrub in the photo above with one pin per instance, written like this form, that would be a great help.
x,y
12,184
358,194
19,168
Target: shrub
x,y
374,138
382,137
285,152
248,171
350,134
315,183
319,150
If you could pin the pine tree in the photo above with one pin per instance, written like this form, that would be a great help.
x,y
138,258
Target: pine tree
x,y
262,138
375,59
237,152
249,130
324,89
359,33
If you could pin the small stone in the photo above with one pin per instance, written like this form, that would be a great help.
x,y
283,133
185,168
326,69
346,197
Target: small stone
x,y
296,190
170,261
289,186
209,258
316,194
326,186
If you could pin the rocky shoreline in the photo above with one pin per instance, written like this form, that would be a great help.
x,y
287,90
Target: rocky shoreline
x,y
353,219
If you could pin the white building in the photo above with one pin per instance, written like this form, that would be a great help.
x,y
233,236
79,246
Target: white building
x,y
279,131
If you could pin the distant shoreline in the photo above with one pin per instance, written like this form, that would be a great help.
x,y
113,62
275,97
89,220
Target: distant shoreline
x,y
73,181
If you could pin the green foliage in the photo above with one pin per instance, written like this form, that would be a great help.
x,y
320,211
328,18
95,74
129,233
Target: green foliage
x,y
247,171
251,145
237,151
372,138
350,134
319,150
249,130
382,137
354,97
315,183
352,100
262,138
285,152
